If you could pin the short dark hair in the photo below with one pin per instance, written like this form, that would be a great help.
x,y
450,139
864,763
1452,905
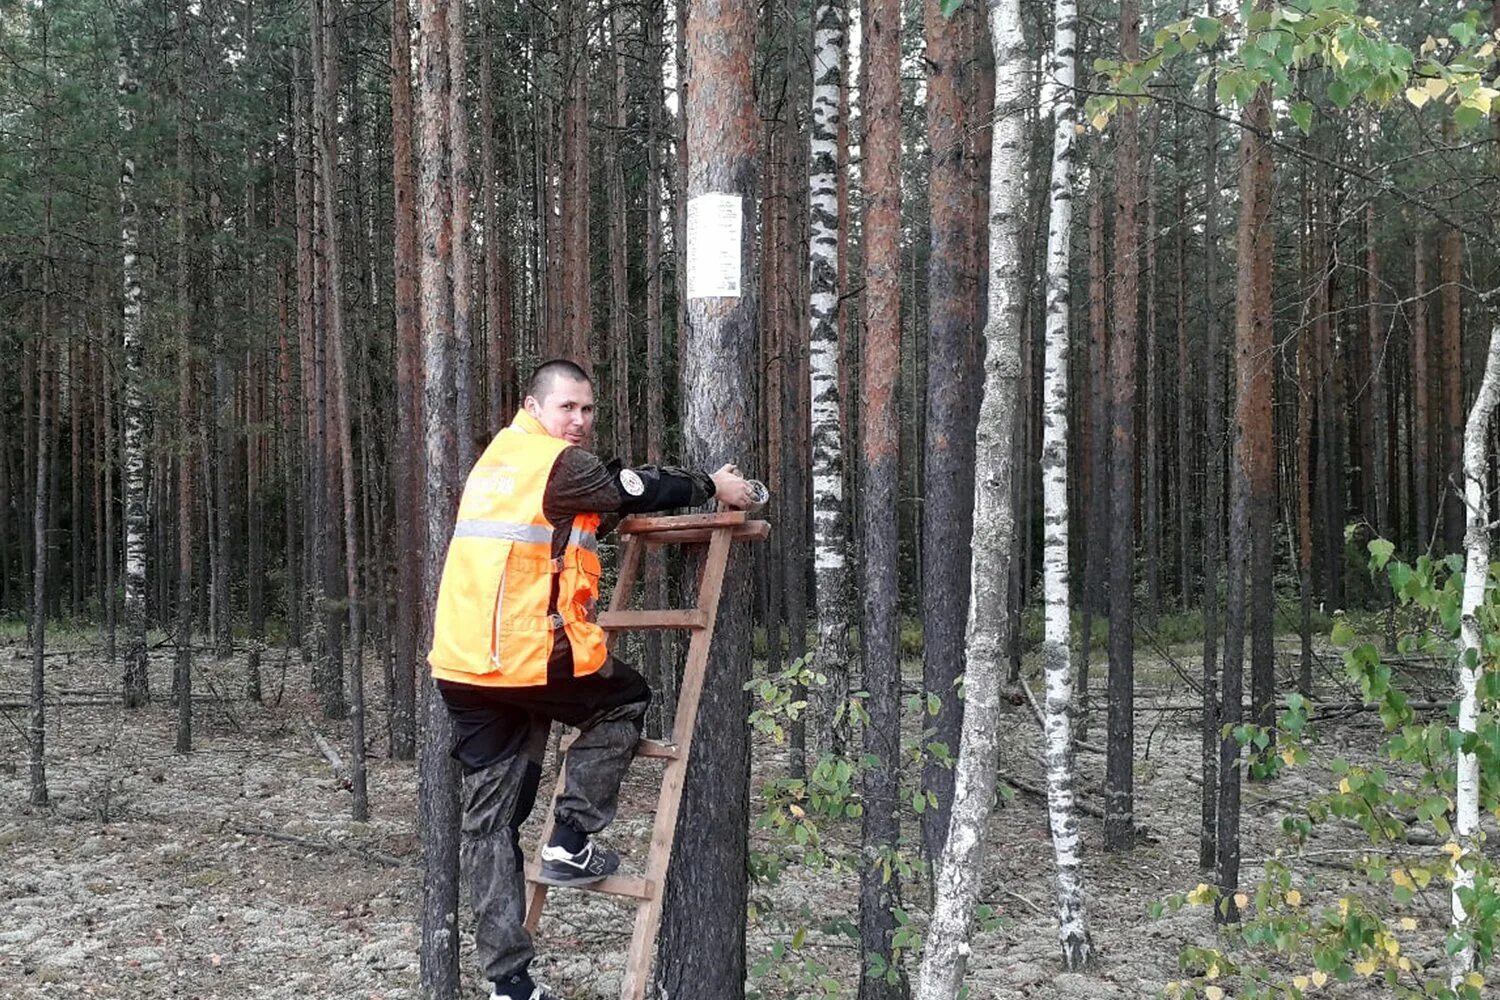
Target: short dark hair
x,y
548,371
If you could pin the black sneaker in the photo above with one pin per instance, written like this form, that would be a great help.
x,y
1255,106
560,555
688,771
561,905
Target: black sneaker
x,y
537,993
562,867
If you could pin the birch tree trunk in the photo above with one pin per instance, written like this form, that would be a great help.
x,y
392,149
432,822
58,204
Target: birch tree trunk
x,y
137,684
946,951
1072,919
830,527
1470,662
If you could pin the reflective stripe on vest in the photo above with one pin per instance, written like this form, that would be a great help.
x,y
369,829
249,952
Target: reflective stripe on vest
x,y
516,532
495,623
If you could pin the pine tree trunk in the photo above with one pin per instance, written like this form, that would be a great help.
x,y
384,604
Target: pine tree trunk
x,y
1253,481
656,559
1380,455
577,275
1187,377
1470,658
619,314
437,777
1096,567
325,56
1119,781
701,947
500,372
880,423
1421,450
945,950
1213,492
1072,919
830,525
407,477
952,391
75,483
1151,497
1453,390
462,267
36,733
222,452
182,686
1256,379
1307,378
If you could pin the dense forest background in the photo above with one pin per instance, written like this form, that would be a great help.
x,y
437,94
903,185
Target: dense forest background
x,y
271,272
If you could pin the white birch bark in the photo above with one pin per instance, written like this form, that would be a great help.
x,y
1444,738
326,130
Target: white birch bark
x,y
945,954
1072,918
1476,575
133,480
830,528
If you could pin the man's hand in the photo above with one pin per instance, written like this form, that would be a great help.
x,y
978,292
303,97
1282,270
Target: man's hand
x,y
731,489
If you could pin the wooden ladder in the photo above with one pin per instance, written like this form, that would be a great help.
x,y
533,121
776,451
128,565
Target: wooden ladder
x,y
719,531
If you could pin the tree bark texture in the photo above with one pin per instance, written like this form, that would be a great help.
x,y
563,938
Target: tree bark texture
x,y
1253,485
1213,495
325,14
830,517
407,477
136,681
1072,918
36,732
945,952
953,280
880,424
1119,780
437,777
1470,656
701,947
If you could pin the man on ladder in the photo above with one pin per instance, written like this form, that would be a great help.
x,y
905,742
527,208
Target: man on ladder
x,y
516,646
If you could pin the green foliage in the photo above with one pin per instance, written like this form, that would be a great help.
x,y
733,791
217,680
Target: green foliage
x,y
811,824
1280,48
1296,935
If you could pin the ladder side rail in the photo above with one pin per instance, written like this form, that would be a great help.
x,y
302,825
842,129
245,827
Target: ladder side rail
x,y
664,828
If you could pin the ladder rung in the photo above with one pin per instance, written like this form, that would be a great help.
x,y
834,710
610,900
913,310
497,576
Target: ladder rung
x,y
690,618
750,531
637,525
657,749
630,886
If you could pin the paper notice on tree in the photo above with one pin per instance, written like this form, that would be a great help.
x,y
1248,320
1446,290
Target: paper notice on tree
x,y
714,228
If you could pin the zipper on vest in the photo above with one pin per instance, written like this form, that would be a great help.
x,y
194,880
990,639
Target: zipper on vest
x,y
495,636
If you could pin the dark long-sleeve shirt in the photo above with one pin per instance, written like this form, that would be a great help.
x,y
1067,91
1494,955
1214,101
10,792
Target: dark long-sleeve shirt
x,y
582,483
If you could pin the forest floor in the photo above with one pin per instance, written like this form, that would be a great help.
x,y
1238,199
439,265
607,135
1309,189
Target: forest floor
x,y
235,871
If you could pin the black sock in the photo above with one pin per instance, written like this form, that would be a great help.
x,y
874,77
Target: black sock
x,y
567,838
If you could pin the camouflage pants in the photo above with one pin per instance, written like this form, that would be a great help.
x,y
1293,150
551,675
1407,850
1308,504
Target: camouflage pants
x,y
500,736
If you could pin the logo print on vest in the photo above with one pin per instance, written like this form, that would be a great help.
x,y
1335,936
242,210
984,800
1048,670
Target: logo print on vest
x,y
631,483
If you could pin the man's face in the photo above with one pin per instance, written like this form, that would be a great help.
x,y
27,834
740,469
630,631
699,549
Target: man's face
x,y
566,410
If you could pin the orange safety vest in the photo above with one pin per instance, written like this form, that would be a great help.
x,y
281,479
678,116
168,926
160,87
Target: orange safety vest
x,y
493,625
